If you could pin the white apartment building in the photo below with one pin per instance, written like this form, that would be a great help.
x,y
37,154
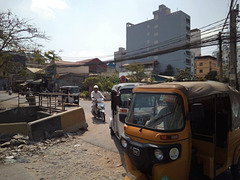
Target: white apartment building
x,y
165,31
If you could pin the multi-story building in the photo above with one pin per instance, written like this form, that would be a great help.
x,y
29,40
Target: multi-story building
x,y
205,64
195,40
162,33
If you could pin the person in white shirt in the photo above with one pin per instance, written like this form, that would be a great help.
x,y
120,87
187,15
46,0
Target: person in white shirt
x,y
95,94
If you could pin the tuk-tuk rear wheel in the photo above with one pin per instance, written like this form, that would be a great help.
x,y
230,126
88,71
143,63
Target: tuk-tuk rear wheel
x,y
111,131
235,169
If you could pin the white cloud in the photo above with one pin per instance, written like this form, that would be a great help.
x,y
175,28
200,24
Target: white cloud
x,y
47,7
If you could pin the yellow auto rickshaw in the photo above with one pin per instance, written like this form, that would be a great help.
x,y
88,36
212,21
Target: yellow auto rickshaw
x,y
182,130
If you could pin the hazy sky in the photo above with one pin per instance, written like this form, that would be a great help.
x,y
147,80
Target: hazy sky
x,y
96,28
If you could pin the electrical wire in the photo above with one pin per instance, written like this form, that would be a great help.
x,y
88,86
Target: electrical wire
x,y
210,38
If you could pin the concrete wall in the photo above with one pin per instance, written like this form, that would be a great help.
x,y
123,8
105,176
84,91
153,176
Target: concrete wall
x,y
73,120
26,114
14,128
68,121
76,69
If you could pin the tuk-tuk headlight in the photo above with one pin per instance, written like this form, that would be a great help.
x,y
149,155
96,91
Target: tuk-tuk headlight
x,y
174,153
158,154
124,143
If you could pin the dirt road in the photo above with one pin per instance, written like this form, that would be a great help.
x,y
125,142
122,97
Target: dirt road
x,y
65,158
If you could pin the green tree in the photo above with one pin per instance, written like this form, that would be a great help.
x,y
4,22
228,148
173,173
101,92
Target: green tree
x,y
38,57
17,35
183,74
89,82
114,79
106,83
52,56
137,72
212,75
169,70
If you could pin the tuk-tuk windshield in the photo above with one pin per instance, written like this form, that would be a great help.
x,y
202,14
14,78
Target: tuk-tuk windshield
x,y
125,95
69,90
74,90
156,111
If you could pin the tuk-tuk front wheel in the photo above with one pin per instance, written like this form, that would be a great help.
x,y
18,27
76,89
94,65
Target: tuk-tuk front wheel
x,y
103,116
235,169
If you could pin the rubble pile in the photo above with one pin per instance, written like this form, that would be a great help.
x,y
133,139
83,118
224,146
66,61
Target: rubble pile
x,y
17,148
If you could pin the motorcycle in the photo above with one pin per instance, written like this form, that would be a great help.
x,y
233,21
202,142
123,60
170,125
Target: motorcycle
x,y
10,92
100,109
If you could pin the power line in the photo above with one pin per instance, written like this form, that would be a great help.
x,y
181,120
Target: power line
x,y
174,40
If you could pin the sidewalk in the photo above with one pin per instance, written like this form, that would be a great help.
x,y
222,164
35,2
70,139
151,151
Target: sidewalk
x,y
15,172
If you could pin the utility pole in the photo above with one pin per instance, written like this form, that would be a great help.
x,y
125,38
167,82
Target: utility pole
x,y
220,56
233,79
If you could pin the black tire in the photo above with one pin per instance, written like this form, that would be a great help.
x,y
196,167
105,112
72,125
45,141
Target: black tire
x,y
235,169
111,132
103,117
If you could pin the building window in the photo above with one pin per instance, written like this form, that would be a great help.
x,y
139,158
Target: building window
x,y
148,33
188,21
156,41
156,26
156,17
188,37
148,41
200,71
188,53
156,34
200,64
148,26
188,28
188,62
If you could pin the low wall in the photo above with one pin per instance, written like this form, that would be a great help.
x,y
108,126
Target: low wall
x,y
23,114
68,121
73,120
14,128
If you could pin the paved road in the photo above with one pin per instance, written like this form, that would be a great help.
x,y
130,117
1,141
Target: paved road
x,y
8,100
98,131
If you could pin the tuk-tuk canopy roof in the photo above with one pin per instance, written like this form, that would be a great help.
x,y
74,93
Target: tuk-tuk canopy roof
x,y
118,86
193,89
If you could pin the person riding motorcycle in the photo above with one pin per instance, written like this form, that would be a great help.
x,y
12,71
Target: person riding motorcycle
x,y
95,94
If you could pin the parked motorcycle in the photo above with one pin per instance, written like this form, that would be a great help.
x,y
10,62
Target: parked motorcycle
x,y
100,109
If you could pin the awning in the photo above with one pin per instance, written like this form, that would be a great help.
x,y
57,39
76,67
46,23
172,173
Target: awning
x,y
23,84
34,70
38,81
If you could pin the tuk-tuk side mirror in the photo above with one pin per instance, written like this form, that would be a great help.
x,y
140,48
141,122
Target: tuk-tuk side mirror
x,y
197,112
117,100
